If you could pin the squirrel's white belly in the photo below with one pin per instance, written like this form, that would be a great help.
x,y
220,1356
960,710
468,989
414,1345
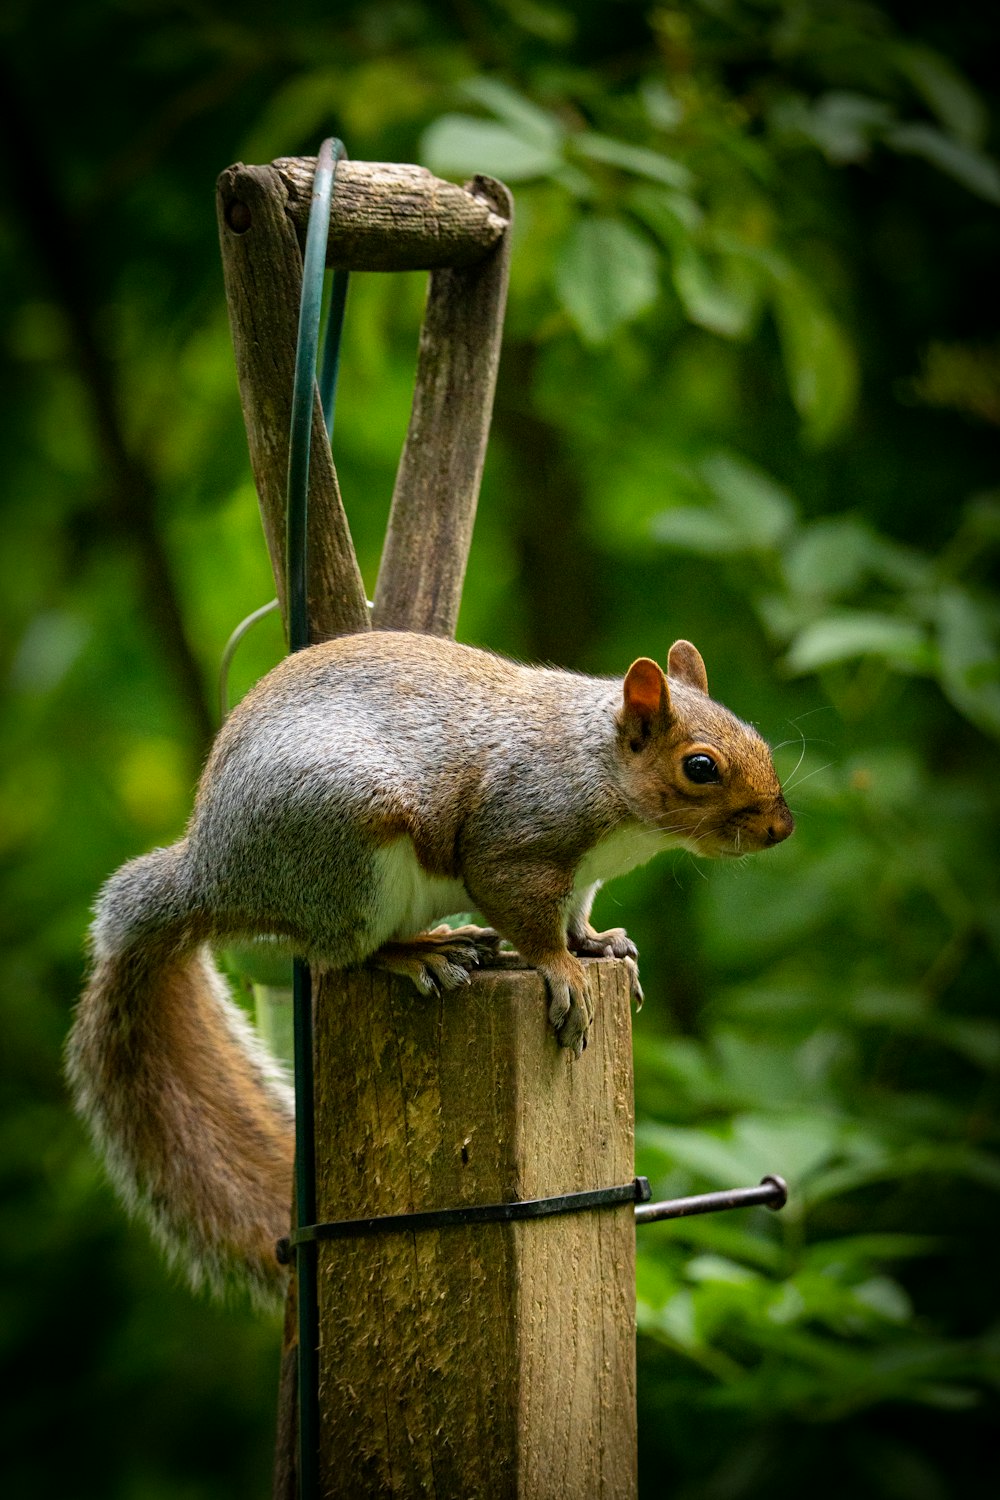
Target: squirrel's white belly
x,y
407,899
619,852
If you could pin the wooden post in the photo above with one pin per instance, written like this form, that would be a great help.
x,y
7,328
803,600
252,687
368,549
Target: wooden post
x,y
495,1361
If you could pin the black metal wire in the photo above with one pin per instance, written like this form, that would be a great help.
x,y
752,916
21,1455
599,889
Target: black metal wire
x,y
636,1191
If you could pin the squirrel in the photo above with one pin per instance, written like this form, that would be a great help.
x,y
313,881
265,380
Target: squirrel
x,y
365,787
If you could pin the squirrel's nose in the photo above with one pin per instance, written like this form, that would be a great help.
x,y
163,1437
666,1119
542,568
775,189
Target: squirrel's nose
x,y
781,825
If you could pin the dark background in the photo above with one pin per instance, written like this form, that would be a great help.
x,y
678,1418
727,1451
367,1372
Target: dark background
x,y
749,395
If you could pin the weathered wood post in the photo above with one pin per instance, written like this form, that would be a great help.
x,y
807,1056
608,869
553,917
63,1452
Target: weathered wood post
x,y
494,1360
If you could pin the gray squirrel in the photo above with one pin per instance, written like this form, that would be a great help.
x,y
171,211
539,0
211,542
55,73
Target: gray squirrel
x,y
365,788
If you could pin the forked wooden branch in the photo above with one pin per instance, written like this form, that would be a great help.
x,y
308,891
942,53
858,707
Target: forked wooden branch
x,y
383,217
437,485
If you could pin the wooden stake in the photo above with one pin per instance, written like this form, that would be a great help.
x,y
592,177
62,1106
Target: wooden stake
x,y
493,1361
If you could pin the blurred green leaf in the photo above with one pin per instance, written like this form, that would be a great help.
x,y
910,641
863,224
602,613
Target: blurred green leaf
x,y
672,216
524,118
849,634
638,160
843,125
968,634
820,360
762,510
950,95
696,530
973,169
726,304
461,145
606,275
828,559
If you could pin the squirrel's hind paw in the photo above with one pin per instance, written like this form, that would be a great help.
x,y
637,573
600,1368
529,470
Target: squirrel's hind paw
x,y
439,960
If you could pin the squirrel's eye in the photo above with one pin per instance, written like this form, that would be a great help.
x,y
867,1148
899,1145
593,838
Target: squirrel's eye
x,y
700,769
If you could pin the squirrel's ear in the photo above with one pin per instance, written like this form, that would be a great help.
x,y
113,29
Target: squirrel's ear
x,y
647,696
684,662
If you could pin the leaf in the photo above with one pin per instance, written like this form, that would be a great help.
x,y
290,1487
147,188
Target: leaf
x,y
460,145
951,96
669,215
762,511
605,275
705,533
525,118
820,361
973,169
718,1161
50,647
884,1297
725,303
842,124
828,559
969,648
794,1145
841,637
638,160
719,1268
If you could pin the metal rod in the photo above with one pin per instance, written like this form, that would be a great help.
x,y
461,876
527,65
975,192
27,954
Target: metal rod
x,y
329,368
305,1209
297,564
300,440
772,1193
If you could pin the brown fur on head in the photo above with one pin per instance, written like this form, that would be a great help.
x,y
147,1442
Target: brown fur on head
x,y
692,768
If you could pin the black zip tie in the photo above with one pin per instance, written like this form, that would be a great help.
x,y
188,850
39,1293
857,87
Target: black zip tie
x,y
636,1191
771,1193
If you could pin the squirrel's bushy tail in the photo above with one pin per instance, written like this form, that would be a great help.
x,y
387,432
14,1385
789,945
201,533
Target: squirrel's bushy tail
x,y
192,1115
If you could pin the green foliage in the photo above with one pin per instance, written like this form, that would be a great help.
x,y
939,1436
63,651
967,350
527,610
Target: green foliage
x,y
748,396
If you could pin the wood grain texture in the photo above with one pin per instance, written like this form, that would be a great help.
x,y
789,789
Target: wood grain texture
x,y
437,484
392,216
262,265
494,1361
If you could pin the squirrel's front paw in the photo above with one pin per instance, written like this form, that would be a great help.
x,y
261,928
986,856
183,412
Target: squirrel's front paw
x,y
615,943
635,988
570,1009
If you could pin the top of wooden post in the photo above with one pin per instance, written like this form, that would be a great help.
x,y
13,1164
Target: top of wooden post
x,y
385,216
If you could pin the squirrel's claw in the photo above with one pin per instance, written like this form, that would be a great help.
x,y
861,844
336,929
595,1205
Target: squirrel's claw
x,y
570,1010
615,943
635,988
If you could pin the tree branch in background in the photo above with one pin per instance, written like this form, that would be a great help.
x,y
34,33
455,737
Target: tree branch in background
x,y
563,600
130,486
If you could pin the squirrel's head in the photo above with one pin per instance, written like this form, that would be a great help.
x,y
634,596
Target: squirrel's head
x,y
693,769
